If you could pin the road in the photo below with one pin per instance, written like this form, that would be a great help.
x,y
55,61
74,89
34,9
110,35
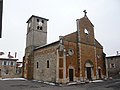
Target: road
x,y
34,85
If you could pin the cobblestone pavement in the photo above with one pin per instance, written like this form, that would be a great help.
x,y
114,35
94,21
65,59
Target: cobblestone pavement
x,y
34,85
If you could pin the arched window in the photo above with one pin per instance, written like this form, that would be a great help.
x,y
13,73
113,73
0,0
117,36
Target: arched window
x,y
42,21
40,28
38,20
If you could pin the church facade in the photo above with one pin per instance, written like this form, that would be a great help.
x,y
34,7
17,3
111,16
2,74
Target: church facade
x,y
77,56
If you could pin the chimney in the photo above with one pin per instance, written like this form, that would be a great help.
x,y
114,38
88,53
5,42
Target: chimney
x,y
15,54
8,54
117,53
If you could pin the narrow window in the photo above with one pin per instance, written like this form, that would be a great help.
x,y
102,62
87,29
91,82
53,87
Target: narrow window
x,y
38,20
11,63
42,21
29,24
38,27
6,71
37,65
5,63
47,64
112,65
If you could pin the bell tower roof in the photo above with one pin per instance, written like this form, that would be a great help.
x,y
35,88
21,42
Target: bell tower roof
x,y
36,17
86,30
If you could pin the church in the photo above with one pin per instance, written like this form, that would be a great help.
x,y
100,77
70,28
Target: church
x,y
77,56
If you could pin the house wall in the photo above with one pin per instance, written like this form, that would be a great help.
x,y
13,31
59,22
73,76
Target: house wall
x,y
113,70
8,70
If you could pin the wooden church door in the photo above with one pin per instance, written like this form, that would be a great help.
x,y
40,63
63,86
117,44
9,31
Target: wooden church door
x,y
70,74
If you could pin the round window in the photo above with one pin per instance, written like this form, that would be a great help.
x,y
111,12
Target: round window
x,y
70,52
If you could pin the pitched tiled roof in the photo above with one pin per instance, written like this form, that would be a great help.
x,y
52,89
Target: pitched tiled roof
x,y
36,17
46,45
97,44
113,56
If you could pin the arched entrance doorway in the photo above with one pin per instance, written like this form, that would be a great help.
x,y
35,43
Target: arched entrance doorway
x,y
71,73
99,73
89,70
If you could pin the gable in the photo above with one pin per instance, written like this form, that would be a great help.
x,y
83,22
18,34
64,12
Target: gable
x,y
71,37
86,19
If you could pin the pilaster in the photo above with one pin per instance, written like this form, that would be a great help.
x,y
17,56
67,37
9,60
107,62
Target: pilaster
x,y
57,67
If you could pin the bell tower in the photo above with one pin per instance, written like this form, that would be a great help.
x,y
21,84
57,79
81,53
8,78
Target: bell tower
x,y
36,36
86,30
36,32
86,44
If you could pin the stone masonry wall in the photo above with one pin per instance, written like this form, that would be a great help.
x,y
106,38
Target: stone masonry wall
x,y
42,56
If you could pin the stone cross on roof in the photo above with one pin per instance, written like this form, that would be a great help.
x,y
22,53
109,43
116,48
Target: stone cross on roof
x,y
85,12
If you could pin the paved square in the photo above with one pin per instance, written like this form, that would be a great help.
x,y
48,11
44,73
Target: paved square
x,y
35,85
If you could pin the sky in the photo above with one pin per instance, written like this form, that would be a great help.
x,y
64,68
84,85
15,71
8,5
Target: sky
x,y
62,15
